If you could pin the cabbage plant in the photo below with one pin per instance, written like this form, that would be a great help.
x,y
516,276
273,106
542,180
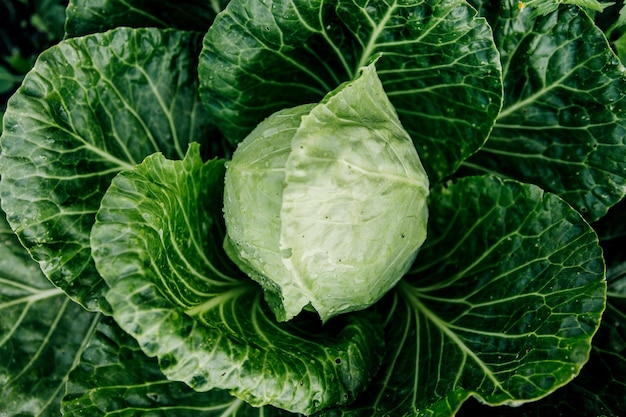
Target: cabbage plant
x,y
158,165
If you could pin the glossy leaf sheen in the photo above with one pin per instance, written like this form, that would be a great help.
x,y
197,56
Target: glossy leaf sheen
x,y
42,332
501,304
157,243
114,375
600,389
89,16
439,66
563,123
91,107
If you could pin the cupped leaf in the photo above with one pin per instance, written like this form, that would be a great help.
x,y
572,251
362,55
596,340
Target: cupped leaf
x,y
157,243
439,66
342,196
502,302
114,376
91,107
563,122
87,16
42,333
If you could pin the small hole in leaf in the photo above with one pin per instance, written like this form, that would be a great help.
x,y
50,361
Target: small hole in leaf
x,y
338,361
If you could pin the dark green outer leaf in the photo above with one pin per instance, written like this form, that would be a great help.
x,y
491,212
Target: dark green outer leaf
x,y
86,16
91,107
563,123
114,376
42,332
600,389
439,66
543,7
156,243
501,304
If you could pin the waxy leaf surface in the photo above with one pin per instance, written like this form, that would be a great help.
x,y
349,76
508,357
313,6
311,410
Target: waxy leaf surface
x,y
91,107
88,16
600,389
157,243
114,376
439,66
501,304
563,122
42,333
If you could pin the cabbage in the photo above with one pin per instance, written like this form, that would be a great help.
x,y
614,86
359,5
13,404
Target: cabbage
x,y
326,204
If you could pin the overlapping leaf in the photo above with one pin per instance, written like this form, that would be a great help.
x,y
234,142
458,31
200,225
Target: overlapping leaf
x,y
42,333
157,244
91,107
114,376
501,304
439,66
85,17
563,122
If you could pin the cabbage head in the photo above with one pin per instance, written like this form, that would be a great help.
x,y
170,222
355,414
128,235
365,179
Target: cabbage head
x,y
325,204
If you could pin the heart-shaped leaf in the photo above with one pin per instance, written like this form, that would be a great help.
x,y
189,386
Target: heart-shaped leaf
x,y
600,389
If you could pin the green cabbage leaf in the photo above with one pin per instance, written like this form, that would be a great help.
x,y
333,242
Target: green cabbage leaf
x,y
42,334
87,16
91,107
599,388
157,244
114,374
561,125
439,67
